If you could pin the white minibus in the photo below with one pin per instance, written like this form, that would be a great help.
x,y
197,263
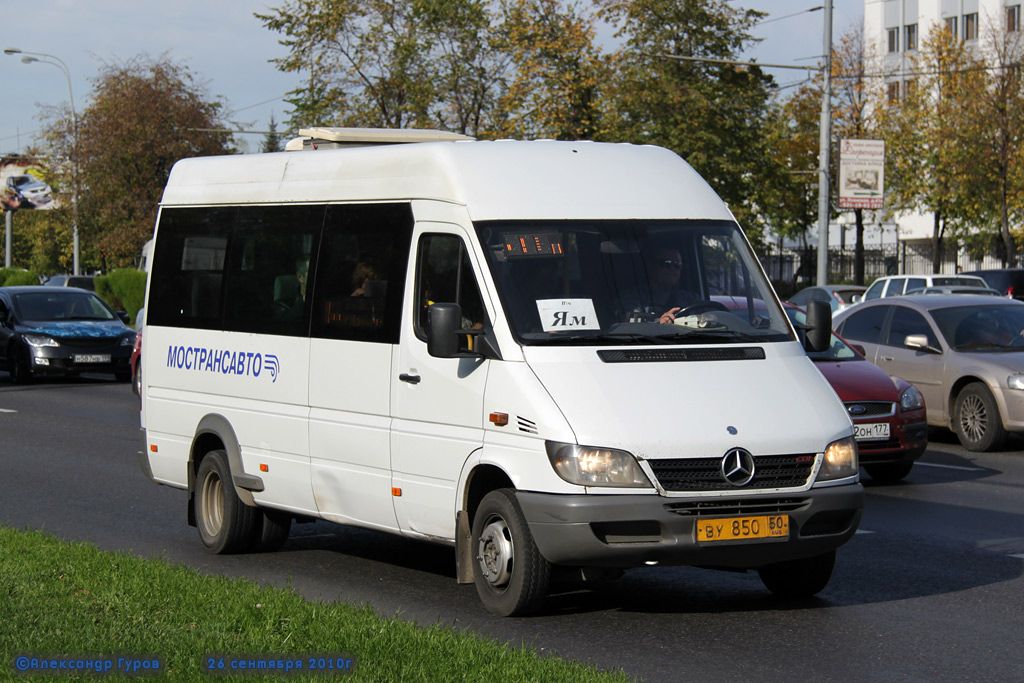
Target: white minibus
x,y
562,359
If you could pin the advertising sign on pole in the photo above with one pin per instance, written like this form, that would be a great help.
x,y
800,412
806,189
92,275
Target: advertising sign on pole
x,y
861,174
22,185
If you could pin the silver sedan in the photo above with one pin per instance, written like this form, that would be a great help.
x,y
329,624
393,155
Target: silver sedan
x,y
964,353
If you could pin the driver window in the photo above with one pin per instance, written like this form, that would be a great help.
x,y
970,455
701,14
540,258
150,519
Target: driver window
x,y
444,275
906,322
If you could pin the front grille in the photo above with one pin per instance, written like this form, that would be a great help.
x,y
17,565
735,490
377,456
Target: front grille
x,y
705,474
677,355
715,508
870,409
89,342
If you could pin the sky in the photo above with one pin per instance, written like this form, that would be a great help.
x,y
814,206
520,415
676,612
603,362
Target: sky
x,y
228,51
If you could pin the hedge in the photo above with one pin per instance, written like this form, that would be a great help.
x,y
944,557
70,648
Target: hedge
x,y
123,289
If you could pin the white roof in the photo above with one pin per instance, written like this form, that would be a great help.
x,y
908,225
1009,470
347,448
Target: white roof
x,y
494,180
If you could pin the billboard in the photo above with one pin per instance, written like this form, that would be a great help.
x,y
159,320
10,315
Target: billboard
x,y
861,174
23,185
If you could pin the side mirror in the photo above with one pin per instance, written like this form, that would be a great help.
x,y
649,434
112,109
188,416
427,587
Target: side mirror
x,y
857,298
125,318
443,321
919,342
819,326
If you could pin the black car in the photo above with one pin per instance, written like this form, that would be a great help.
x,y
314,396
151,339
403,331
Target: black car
x,y
1007,281
61,331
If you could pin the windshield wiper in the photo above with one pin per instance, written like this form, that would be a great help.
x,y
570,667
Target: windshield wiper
x,y
607,337
714,335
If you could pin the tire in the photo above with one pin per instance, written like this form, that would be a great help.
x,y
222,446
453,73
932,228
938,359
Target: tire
x,y
976,419
271,531
137,379
890,471
226,524
510,574
799,578
18,365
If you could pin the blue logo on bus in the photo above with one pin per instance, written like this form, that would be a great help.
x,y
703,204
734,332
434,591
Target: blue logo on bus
x,y
223,361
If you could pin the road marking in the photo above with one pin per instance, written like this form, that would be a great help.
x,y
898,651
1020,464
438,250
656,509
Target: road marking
x,y
864,531
7,410
951,467
1018,555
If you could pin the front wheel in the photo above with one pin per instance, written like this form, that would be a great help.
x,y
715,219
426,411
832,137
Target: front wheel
x,y
510,574
19,365
226,524
976,419
799,578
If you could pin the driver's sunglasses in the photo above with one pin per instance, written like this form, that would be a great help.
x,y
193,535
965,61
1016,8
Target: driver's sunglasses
x,y
669,263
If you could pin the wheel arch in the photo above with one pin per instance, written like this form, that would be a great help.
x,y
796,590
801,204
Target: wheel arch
x,y
954,392
215,432
480,481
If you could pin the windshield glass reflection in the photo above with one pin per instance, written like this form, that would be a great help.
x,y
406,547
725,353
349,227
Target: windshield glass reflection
x,y
630,282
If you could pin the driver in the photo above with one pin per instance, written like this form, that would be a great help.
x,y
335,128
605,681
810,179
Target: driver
x,y
664,268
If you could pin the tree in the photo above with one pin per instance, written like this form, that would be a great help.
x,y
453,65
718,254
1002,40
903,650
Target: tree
x,y
144,115
557,74
272,140
712,114
389,63
927,156
996,141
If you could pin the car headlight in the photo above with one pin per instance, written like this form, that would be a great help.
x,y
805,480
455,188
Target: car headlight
x,y
1015,381
840,460
911,399
40,340
588,466
128,341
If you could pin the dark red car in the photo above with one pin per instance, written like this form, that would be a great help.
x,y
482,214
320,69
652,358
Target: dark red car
x,y
888,413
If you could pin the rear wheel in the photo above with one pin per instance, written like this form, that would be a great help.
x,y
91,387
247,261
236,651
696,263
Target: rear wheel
x,y
976,419
226,524
889,471
799,578
511,575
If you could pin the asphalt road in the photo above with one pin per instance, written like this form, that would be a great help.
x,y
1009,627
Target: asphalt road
x,y
930,590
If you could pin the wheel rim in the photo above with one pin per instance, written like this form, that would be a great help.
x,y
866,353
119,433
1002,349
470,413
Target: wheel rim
x,y
973,418
495,553
212,496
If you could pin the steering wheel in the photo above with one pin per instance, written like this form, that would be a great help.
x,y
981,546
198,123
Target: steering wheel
x,y
700,307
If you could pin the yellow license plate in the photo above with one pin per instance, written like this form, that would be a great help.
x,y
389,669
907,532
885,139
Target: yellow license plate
x,y
742,528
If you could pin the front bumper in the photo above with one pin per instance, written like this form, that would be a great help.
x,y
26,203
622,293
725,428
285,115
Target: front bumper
x,y
65,360
633,530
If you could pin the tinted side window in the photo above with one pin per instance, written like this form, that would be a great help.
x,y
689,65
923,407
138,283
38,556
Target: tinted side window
x,y
444,275
905,322
268,267
915,283
865,325
895,287
188,267
361,270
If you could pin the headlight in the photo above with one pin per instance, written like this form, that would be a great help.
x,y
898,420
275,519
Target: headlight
x,y
1015,381
40,340
840,460
588,466
128,341
911,399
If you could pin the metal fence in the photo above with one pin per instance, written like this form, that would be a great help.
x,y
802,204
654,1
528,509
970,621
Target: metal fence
x,y
791,269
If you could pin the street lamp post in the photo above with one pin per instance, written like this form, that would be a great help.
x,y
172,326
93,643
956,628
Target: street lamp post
x,y
43,58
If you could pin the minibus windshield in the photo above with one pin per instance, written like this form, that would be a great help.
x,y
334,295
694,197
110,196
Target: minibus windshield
x,y
630,282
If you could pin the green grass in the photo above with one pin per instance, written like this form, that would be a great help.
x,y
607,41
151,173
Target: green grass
x,y
62,599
